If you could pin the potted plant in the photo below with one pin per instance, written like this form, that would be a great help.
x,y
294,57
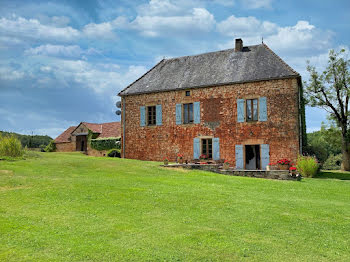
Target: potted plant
x,y
166,161
180,158
202,159
283,164
271,166
293,170
226,165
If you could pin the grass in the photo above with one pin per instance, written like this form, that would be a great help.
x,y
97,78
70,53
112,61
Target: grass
x,y
70,207
334,174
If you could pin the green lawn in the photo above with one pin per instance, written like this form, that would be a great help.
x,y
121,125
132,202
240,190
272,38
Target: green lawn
x,y
70,207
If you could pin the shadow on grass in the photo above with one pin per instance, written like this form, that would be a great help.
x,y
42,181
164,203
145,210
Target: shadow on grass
x,y
333,175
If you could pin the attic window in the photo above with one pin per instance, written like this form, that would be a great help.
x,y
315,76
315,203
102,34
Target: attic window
x,y
188,93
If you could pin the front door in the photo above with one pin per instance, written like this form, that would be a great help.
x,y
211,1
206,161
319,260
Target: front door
x,y
252,157
81,143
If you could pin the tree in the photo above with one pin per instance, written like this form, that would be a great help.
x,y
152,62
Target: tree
x,y
325,142
330,90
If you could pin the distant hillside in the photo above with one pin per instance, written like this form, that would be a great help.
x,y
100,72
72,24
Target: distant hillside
x,y
30,141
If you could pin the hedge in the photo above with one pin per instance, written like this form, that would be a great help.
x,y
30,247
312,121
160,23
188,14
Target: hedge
x,y
105,143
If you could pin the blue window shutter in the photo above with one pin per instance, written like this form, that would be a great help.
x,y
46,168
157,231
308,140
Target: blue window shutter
x,y
240,110
196,148
239,156
262,109
265,155
142,116
159,115
216,148
196,113
178,114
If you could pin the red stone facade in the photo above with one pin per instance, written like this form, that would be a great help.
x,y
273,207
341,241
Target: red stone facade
x,y
218,118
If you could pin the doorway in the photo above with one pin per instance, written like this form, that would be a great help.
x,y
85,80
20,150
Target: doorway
x,y
81,143
252,157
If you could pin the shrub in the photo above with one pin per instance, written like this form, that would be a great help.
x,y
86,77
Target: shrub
x,y
105,143
42,147
115,152
28,154
333,162
51,147
10,146
307,166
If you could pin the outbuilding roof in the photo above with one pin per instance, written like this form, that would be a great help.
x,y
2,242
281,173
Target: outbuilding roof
x,y
64,137
253,63
105,130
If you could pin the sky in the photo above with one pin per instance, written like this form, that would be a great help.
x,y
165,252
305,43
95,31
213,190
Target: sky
x,y
64,62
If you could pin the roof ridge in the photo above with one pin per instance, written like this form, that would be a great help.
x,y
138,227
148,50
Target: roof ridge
x,y
211,52
140,77
280,59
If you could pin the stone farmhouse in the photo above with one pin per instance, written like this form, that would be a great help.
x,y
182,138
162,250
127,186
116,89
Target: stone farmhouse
x,y
243,105
75,138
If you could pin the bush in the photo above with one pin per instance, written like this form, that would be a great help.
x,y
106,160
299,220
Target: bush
x,y
105,143
115,152
51,147
307,166
10,146
42,148
333,162
28,154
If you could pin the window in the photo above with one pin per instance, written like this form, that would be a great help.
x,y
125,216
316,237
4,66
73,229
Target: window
x,y
188,93
252,109
207,148
188,113
151,115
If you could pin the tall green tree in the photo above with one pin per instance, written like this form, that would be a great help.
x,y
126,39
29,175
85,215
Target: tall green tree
x,y
330,90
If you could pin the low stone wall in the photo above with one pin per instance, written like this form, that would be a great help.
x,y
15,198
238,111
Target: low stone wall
x,y
271,174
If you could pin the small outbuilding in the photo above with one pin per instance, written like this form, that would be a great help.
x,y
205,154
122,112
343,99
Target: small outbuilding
x,y
90,138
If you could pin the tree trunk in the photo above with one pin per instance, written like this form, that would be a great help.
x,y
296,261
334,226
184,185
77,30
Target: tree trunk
x,y
345,166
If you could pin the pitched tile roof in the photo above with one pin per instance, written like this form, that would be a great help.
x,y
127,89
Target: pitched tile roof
x,y
64,137
253,63
112,129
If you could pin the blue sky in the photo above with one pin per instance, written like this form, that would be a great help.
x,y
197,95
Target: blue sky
x,y
63,62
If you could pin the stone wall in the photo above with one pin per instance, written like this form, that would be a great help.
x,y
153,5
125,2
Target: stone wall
x,y
218,119
94,152
71,147
65,147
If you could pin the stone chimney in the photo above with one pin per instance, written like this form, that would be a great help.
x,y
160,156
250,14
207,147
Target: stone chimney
x,y
239,45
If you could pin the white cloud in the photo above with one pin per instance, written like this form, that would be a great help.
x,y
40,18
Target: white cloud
x,y
102,78
159,7
60,21
8,73
200,21
300,39
245,26
56,50
32,29
104,30
302,36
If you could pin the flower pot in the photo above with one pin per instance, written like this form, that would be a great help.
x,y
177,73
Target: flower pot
x,y
180,160
226,166
283,167
166,162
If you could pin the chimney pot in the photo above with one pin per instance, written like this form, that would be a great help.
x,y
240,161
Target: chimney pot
x,y
239,45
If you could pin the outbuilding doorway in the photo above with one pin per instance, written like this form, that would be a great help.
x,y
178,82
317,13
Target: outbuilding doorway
x,y
252,157
81,143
